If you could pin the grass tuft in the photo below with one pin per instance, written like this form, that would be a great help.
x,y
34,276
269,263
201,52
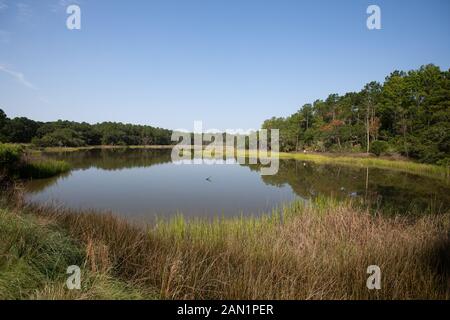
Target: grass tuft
x,y
41,169
34,256
16,163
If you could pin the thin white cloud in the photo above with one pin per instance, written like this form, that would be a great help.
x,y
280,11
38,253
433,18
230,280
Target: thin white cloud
x,y
18,76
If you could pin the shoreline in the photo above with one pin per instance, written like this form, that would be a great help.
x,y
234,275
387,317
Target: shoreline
x,y
288,253
357,159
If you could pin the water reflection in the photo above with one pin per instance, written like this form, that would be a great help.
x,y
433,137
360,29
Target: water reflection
x,y
388,190
138,182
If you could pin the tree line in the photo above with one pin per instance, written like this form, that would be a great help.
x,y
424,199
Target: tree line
x,y
408,114
74,134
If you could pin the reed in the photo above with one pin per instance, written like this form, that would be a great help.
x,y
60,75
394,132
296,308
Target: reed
x,y
300,251
34,256
43,168
17,162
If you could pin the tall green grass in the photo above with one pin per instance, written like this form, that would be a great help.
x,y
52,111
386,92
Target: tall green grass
x,y
10,158
34,256
301,251
15,162
40,169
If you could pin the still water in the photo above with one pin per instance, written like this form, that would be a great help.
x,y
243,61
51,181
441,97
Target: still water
x,y
140,184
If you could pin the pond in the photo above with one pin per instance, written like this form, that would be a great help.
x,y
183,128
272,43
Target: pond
x,y
144,183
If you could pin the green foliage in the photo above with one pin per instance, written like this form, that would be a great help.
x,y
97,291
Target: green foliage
x,y
43,169
10,158
378,147
10,153
3,120
34,256
60,137
31,255
410,111
15,164
20,130
73,134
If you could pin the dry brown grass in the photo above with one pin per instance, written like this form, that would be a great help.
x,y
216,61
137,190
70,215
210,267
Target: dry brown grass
x,y
319,252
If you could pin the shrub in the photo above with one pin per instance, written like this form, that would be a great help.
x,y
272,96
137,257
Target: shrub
x,y
14,164
378,147
10,158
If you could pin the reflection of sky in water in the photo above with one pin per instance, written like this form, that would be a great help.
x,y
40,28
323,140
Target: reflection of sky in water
x,y
144,183
194,190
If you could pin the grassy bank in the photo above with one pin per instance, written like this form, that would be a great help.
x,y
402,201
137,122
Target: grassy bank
x,y
300,252
16,162
400,165
429,170
73,149
34,255
40,169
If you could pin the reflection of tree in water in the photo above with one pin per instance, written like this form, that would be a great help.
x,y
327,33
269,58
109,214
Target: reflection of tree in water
x,y
385,189
114,159
105,159
38,185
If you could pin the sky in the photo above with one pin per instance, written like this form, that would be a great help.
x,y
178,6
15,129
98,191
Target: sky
x,y
229,63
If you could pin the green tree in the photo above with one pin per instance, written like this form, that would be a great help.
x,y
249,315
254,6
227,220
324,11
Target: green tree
x,y
409,112
3,120
20,130
64,137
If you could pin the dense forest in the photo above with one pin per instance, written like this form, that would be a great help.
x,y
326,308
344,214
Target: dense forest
x,y
408,114
74,134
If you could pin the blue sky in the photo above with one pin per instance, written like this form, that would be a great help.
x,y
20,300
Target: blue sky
x,y
229,63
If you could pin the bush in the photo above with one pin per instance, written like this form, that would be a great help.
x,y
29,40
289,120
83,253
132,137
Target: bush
x,y
10,158
14,164
379,147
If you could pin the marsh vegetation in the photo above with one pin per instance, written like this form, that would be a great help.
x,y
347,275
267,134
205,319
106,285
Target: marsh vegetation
x,y
318,245
317,251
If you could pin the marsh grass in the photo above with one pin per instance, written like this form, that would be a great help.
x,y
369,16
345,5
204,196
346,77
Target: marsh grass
x,y
43,168
399,165
34,256
429,170
433,171
318,251
17,162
